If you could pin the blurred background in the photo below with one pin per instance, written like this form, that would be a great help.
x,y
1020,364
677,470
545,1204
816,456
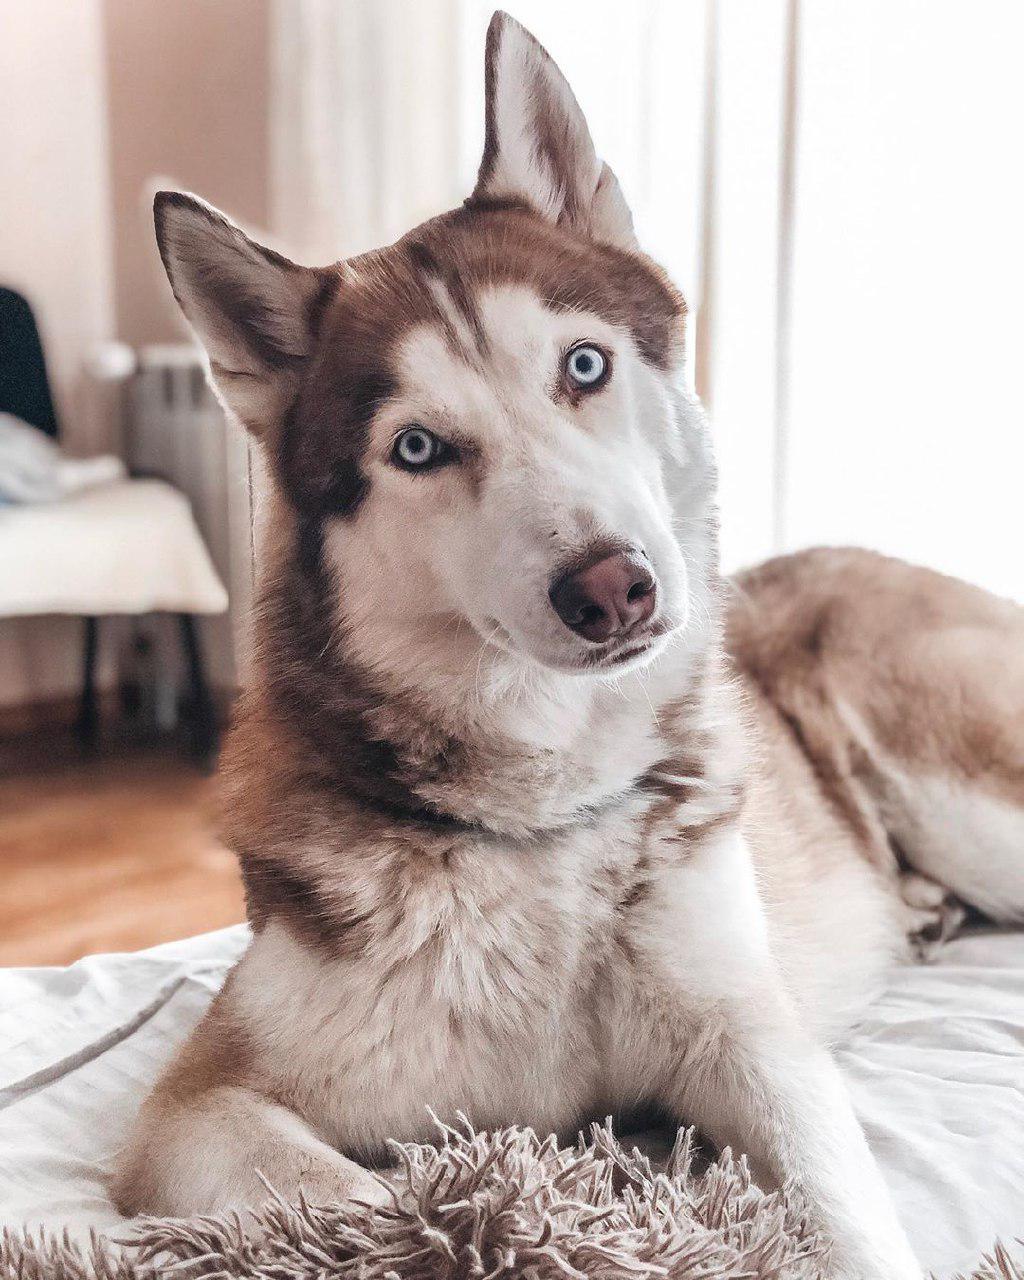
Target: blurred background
x,y
838,189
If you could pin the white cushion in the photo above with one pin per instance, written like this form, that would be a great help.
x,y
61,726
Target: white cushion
x,y
128,546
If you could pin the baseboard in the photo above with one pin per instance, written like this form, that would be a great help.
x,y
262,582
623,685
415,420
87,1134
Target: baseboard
x,y
58,715
52,715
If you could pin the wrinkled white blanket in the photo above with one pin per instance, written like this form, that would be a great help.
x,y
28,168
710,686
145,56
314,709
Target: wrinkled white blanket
x,y
936,1071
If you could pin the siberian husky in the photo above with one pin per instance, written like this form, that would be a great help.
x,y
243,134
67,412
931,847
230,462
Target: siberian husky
x,y
538,818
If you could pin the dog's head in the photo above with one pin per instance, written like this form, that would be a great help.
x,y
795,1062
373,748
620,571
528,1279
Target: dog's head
x,y
482,424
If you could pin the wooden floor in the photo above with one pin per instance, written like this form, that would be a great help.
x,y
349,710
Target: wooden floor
x,y
110,854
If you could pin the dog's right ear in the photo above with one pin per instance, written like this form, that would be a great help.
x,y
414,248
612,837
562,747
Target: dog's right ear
x,y
254,311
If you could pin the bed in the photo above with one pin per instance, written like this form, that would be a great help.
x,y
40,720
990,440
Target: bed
x,y
936,1072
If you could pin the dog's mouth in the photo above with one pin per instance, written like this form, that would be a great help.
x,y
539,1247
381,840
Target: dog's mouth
x,y
628,649
613,656
625,654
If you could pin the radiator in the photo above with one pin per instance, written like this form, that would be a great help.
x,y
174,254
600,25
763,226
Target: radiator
x,y
177,430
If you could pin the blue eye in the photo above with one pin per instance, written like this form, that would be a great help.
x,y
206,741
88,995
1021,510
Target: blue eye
x,y
416,449
586,366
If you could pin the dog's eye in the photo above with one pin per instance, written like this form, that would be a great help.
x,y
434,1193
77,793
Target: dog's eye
x,y
586,366
418,449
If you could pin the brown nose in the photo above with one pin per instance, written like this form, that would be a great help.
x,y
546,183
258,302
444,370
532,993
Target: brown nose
x,y
606,598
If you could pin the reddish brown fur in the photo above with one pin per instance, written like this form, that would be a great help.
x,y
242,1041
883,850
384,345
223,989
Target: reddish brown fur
x,y
385,294
911,651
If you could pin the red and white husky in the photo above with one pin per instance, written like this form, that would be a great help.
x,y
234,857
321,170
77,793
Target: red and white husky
x,y
538,818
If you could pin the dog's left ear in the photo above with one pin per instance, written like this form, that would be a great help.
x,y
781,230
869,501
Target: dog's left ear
x,y
537,147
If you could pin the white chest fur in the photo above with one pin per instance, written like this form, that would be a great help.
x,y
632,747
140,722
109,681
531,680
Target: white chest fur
x,y
480,998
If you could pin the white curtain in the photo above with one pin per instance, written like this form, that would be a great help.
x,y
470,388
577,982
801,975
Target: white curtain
x,y
377,112
836,187
906,420
363,122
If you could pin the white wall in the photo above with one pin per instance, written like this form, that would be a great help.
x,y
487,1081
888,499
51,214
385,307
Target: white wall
x,y
54,187
55,247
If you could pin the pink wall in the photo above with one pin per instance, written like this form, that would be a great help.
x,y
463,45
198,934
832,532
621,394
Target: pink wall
x,y
100,97
187,91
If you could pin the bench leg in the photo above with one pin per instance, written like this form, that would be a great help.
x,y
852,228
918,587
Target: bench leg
x,y
204,734
86,726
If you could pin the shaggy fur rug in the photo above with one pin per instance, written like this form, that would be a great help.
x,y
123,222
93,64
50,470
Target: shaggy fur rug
x,y
482,1207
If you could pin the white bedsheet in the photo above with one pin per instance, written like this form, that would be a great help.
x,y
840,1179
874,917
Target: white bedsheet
x,y
936,1072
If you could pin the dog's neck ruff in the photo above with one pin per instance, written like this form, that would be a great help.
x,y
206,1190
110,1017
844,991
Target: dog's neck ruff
x,y
418,768
514,795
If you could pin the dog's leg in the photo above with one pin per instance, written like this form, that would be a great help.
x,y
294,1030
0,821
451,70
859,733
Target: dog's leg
x,y
751,1078
208,1155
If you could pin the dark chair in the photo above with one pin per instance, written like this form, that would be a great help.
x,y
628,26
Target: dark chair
x,y
24,385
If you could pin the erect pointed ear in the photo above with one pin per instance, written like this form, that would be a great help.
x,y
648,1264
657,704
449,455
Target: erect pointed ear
x,y
254,311
537,147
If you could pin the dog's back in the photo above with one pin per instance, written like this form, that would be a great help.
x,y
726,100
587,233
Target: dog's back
x,y
904,689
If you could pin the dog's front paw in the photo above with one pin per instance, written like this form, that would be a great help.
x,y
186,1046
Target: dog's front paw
x,y
343,1182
